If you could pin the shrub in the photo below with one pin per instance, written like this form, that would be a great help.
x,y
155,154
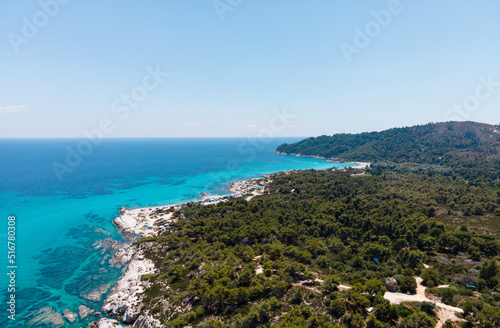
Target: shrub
x,y
330,284
447,296
428,307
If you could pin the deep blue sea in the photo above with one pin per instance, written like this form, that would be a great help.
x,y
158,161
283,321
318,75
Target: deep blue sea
x,y
64,196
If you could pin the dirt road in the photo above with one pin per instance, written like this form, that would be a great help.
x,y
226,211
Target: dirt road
x,y
443,311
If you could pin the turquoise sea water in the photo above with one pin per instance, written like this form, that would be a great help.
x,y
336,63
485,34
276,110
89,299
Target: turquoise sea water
x,y
60,218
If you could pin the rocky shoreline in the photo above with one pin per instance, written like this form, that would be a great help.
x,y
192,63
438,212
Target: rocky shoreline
x,y
125,300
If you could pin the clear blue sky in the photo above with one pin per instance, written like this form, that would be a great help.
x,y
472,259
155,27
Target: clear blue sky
x,y
227,77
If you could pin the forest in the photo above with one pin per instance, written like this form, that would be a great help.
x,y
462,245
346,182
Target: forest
x,y
467,148
316,248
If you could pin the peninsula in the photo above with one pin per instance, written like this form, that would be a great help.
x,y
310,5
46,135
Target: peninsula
x,y
412,242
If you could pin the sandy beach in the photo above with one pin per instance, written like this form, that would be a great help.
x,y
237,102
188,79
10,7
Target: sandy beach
x,y
361,165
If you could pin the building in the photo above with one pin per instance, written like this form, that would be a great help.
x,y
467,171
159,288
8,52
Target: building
x,y
391,284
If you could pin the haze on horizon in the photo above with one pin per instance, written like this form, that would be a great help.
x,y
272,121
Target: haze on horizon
x,y
234,68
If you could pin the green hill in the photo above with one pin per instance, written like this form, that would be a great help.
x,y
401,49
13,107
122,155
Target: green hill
x,y
279,259
430,143
315,249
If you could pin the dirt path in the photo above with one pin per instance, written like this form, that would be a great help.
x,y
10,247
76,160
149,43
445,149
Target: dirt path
x,y
443,311
342,287
303,284
255,193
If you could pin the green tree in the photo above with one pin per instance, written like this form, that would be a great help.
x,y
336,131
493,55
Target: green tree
x,y
374,287
373,322
323,262
357,262
447,296
428,307
297,296
246,277
275,251
489,272
384,311
448,324
490,317
212,324
353,320
408,284
360,301
419,320
469,308
429,277
330,284
337,308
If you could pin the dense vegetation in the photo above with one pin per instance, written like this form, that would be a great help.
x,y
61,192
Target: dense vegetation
x,y
467,148
279,259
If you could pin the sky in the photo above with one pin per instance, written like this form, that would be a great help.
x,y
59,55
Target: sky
x,y
241,68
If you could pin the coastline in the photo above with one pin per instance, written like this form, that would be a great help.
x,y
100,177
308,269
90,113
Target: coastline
x,y
124,301
125,298
150,221
359,165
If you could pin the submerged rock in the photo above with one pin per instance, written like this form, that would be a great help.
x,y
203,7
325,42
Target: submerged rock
x,y
104,288
94,296
46,316
69,315
84,311
100,230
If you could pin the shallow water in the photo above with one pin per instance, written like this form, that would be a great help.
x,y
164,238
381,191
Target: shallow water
x,y
59,221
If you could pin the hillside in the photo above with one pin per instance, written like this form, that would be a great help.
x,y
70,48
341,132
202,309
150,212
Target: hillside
x,y
431,143
321,248
284,259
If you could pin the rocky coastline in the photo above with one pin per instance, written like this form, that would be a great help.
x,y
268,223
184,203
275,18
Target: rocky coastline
x,y
125,300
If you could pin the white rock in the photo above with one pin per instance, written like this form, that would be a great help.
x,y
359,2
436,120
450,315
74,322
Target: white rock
x,y
133,221
108,323
126,223
131,314
146,321
125,300
124,254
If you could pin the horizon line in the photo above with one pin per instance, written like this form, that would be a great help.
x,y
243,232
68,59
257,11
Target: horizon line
x,y
109,138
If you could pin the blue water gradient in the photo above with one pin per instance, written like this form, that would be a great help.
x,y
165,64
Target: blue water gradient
x,y
59,219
